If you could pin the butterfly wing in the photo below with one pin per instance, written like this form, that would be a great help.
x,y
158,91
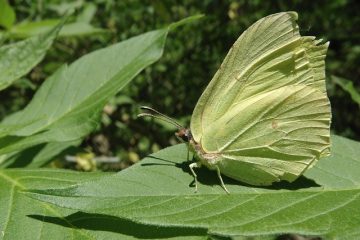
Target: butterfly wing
x,y
266,112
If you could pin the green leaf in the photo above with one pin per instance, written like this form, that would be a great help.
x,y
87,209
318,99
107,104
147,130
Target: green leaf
x,y
347,86
87,13
68,105
25,218
28,29
81,29
17,211
64,7
156,191
36,156
47,153
7,14
19,58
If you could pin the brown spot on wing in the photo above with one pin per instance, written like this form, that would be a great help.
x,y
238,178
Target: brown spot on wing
x,y
274,124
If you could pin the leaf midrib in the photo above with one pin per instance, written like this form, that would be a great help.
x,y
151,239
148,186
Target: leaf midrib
x,y
275,192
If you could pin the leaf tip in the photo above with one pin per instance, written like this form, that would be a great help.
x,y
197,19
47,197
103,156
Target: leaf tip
x,y
185,21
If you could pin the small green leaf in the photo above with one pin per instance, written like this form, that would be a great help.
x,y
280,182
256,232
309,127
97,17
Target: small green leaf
x,y
87,13
156,191
28,29
19,58
7,14
347,86
65,6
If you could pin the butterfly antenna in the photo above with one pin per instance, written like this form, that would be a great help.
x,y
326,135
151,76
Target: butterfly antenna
x,y
156,114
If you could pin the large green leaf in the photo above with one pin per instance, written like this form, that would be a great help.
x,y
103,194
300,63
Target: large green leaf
x,y
156,191
68,104
25,218
19,58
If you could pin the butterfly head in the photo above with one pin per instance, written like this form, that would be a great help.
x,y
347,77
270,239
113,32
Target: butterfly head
x,y
184,134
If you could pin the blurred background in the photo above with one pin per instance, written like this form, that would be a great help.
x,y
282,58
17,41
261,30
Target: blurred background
x,y
192,55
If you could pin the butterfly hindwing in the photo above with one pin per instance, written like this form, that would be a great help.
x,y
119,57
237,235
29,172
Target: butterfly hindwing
x,y
281,133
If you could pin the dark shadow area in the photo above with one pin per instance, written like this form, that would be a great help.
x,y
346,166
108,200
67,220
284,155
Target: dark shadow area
x,y
11,161
101,222
204,175
218,237
301,183
25,157
296,237
209,177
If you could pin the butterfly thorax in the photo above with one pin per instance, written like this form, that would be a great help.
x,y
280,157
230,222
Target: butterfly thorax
x,y
207,159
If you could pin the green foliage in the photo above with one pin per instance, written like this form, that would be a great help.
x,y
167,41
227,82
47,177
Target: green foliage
x,y
67,106
7,14
156,192
25,30
349,87
80,26
19,58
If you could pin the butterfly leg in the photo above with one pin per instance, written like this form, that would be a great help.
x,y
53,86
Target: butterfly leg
x,y
192,166
222,182
188,151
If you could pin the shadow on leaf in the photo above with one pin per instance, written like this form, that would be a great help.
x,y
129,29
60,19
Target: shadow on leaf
x,y
301,183
209,177
101,222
